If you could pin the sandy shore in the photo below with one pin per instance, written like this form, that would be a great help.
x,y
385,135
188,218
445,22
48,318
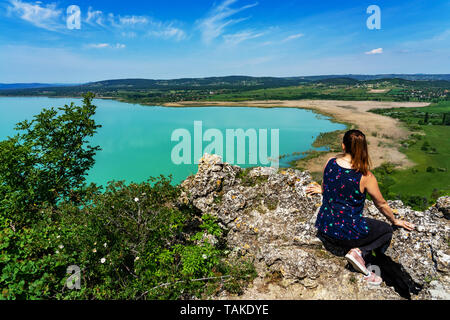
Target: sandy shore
x,y
383,133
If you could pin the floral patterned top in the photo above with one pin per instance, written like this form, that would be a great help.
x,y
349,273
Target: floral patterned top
x,y
341,213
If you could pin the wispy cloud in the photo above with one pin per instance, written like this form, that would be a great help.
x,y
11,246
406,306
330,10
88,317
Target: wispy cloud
x,y
166,32
119,21
132,26
375,51
47,17
95,17
442,36
236,38
283,41
219,18
106,46
133,20
293,37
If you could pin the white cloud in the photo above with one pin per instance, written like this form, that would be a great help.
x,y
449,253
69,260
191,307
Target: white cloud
x,y
234,39
106,46
50,17
133,20
167,32
46,17
375,51
95,17
132,26
293,37
219,18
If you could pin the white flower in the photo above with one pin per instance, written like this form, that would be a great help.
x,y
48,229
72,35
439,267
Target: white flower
x,y
105,245
205,256
57,237
57,251
136,199
137,258
102,260
61,246
94,251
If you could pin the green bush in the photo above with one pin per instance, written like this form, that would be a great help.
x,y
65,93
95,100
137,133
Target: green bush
x,y
130,241
46,161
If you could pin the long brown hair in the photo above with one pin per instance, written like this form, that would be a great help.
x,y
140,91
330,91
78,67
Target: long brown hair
x,y
356,145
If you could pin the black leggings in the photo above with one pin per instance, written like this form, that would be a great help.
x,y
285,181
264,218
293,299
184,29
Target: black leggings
x,y
378,239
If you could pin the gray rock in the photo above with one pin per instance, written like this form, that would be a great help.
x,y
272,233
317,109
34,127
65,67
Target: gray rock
x,y
271,222
443,205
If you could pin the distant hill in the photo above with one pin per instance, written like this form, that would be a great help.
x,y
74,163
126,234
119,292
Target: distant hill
x,y
412,77
137,89
8,86
197,83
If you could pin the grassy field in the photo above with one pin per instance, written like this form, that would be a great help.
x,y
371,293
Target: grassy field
x,y
306,92
428,148
432,169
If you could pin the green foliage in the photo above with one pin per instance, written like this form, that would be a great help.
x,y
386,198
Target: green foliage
x,y
249,181
435,114
130,241
428,148
210,225
387,179
240,88
46,161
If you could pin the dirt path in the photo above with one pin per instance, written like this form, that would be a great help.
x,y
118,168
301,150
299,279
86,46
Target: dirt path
x,y
383,133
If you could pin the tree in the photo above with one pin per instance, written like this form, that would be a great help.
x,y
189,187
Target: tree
x,y
47,161
445,119
427,118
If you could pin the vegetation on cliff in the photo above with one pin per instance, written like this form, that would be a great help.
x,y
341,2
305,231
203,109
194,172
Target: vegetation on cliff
x,y
129,241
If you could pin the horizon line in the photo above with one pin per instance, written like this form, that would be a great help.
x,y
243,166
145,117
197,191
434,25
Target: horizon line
x,y
236,75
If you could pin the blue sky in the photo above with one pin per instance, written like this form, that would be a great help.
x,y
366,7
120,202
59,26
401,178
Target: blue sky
x,y
165,39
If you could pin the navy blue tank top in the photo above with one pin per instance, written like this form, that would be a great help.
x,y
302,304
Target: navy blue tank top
x,y
341,213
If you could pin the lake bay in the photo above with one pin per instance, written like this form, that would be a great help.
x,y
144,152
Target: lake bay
x,y
136,140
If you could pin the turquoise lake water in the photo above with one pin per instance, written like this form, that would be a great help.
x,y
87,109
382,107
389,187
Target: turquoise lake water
x,y
136,140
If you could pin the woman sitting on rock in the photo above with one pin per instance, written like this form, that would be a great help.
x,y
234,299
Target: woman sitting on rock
x,y
340,221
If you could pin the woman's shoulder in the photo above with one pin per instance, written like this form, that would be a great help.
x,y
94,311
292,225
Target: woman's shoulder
x,y
369,177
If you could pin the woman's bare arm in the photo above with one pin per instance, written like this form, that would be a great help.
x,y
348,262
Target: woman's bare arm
x,y
316,188
372,188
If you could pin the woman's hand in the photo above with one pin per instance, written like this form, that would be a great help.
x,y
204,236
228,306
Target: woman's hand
x,y
314,189
404,224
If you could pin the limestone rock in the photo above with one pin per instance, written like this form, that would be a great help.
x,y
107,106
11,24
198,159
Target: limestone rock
x,y
270,220
443,205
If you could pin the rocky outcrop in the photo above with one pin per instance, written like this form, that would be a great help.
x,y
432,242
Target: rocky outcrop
x,y
269,219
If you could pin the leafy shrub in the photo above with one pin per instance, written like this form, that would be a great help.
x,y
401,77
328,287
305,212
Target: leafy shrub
x,y
129,241
47,161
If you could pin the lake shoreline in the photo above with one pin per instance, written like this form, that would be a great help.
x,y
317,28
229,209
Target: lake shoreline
x,y
383,133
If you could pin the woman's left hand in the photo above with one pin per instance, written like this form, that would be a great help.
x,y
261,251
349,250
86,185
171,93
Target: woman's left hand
x,y
314,189
404,224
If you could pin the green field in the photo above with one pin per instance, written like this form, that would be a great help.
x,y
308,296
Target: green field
x,y
241,88
417,180
428,148
317,91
